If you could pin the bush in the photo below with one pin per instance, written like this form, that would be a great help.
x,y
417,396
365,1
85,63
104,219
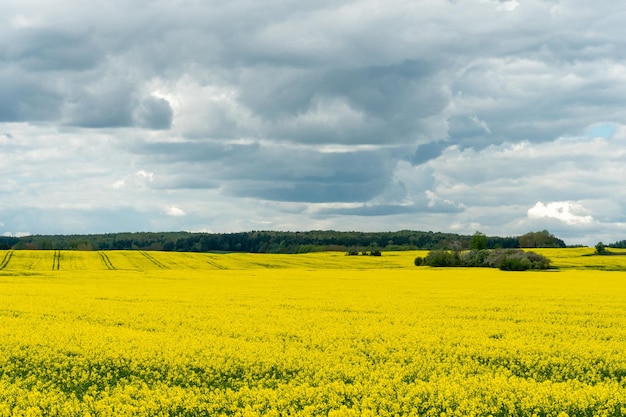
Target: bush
x,y
515,264
355,252
352,252
517,260
475,258
441,258
419,261
538,261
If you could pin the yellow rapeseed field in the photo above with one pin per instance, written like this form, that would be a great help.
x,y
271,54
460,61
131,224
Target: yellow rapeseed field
x,y
188,334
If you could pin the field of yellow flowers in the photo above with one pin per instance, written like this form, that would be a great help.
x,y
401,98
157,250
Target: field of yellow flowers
x,y
188,334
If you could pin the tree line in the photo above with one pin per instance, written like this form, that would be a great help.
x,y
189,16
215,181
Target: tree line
x,y
274,241
620,244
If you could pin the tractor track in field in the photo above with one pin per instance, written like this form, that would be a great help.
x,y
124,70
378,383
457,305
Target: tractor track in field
x,y
6,259
216,265
56,260
106,261
154,260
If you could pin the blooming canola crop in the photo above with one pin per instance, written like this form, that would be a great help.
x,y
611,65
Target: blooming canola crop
x,y
171,334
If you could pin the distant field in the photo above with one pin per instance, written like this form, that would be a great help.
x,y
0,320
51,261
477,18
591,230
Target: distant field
x,y
321,334
582,258
23,260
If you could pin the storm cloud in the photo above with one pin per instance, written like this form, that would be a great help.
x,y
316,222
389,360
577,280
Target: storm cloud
x,y
433,115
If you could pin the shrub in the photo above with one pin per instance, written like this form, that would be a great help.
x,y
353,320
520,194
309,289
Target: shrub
x,y
517,260
441,258
515,264
475,258
352,252
538,261
419,261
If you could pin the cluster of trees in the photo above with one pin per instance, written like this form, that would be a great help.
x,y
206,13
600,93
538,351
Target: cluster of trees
x,y
504,259
274,241
479,256
601,249
541,239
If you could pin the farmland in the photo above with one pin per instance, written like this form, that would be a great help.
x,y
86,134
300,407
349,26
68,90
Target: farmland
x,y
121,333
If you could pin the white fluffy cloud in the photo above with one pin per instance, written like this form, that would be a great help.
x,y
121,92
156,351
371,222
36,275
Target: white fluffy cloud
x,y
174,211
139,180
565,211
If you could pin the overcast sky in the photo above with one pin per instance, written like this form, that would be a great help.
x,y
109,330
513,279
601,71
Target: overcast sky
x,y
445,115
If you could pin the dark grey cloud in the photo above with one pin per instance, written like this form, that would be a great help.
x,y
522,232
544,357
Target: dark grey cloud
x,y
399,92
282,173
428,151
154,113
24,99
363,104
102,106
51,49
316,191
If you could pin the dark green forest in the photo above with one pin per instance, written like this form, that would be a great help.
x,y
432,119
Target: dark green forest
x,y
274,241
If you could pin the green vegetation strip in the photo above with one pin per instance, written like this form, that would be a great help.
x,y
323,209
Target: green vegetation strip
x,y
276,242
